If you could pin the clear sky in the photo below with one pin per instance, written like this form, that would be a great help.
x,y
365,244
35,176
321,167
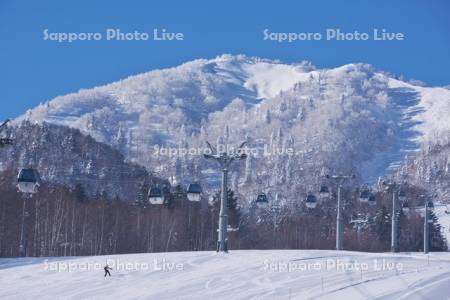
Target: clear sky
x,y
33,70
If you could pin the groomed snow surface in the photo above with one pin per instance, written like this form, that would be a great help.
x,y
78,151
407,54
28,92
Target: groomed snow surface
x,y
252,274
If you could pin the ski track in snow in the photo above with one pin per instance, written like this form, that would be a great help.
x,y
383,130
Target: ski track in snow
x,y
238,275
406,106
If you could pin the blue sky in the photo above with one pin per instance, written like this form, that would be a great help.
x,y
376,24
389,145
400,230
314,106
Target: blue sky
x,y
33,70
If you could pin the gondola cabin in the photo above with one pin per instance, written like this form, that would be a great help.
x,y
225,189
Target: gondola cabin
x,y
261,200
194,192
405,207
311,201
372,201
156,196
402,196
364,196
324,192
28,181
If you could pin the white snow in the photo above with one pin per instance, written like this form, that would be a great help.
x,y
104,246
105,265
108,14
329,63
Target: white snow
x,y
380,118
269,79
442,212
254,274
433,110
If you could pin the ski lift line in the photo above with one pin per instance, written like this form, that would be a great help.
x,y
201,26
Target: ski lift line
x,y
87,177
90,177
115,171
79,179
72,175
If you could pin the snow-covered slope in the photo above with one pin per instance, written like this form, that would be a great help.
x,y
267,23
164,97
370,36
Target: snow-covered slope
x,y
430,113
292,274
372,118
443,214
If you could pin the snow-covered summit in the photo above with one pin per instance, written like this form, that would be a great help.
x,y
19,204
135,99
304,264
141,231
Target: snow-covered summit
x,y
353,109
211,83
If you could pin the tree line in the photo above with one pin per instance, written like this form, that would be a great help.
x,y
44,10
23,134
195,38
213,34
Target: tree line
x,y
63,221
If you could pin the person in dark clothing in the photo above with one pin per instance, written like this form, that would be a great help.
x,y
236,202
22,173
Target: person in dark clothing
x,y
107,268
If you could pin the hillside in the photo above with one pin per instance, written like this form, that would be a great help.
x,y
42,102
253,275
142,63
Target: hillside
x,y
289,274
351,118
64,156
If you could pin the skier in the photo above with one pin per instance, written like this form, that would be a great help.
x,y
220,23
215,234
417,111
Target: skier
x,y
107,268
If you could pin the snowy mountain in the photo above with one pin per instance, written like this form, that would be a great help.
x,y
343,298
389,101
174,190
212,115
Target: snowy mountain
x,y
351,119
251,274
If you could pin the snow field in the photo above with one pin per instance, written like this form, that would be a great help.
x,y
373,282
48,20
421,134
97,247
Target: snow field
x,y
253,274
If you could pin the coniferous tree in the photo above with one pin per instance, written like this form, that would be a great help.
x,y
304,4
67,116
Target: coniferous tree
x,y
382,226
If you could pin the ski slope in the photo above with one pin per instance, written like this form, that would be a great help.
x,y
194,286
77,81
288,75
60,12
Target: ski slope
x,y
141,111
442,213
252,274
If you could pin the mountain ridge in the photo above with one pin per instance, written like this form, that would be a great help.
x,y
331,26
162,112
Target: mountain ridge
x,y
366,113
